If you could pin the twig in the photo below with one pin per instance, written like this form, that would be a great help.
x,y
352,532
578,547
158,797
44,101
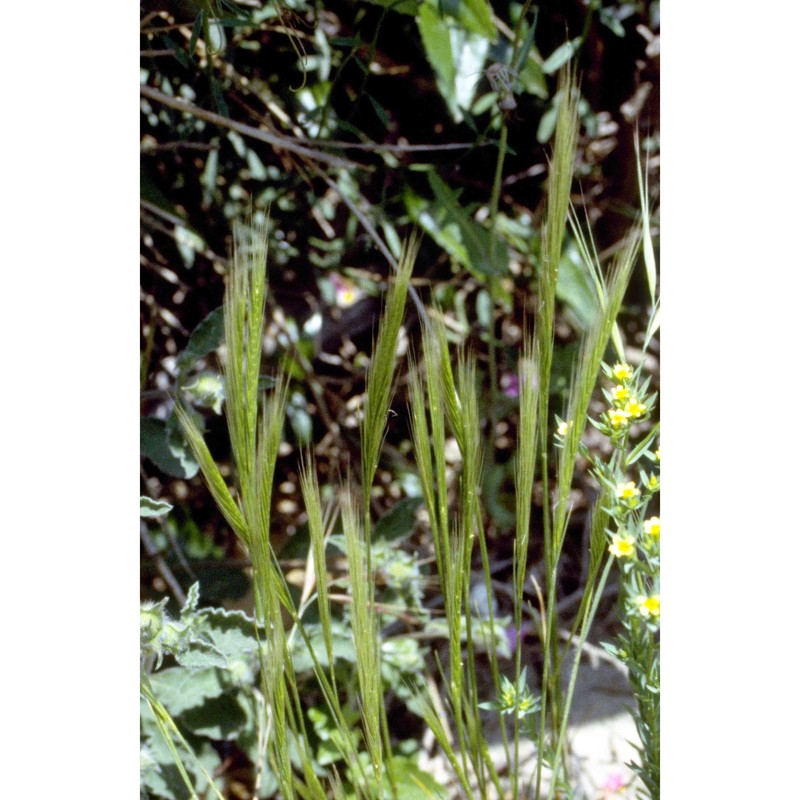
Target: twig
x,y
295,144
161,565
276,140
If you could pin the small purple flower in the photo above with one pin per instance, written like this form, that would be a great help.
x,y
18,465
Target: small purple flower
x,y
509,383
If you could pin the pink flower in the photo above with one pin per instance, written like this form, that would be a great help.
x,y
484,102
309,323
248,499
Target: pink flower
x,y
614,782
510,384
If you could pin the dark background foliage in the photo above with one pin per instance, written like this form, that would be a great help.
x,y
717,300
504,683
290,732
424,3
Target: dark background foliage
x,y
357,73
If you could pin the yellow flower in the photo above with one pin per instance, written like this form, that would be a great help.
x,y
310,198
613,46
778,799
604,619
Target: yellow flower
x,y
635,408
649,606
652,527
653,483
563,428
658,453
620,393
618,418
627,491
346,297
622,546
622,372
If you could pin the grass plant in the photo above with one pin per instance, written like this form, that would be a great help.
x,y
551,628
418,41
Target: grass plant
x,y
445,402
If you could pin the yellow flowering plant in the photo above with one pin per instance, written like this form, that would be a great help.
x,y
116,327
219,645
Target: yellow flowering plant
x,y
633,541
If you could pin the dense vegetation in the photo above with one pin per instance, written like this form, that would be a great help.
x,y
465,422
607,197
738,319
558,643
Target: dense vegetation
x,y
356,127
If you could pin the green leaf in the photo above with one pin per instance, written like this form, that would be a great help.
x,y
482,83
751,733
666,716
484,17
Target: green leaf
x,y
453,229
179,447
201,655
561,55
299,418
435,33
189,244
220,718
399,521
477,17
608,18
180,689
342,646
532,80
412,782
158,444
547,124
206,337
456,55
408,7
576,289
498,504
162,779
153,508
231,632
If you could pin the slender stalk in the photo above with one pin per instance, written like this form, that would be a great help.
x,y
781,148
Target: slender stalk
x,y
586,625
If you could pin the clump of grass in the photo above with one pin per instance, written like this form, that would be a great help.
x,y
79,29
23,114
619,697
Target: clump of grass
x,y
443,401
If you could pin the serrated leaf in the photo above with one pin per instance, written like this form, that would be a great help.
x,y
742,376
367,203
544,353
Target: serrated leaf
x,y
233,633
192,599
201,655
153,508
180,689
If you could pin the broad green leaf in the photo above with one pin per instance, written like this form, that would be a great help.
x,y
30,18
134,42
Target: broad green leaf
x,y
180,689
157,445
435,33
201,655
576,289
453,229
560,56
153,508
231,632
498,504
477,17
220,718
399,521
179,447
206,337
532,80
457,57
409,7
